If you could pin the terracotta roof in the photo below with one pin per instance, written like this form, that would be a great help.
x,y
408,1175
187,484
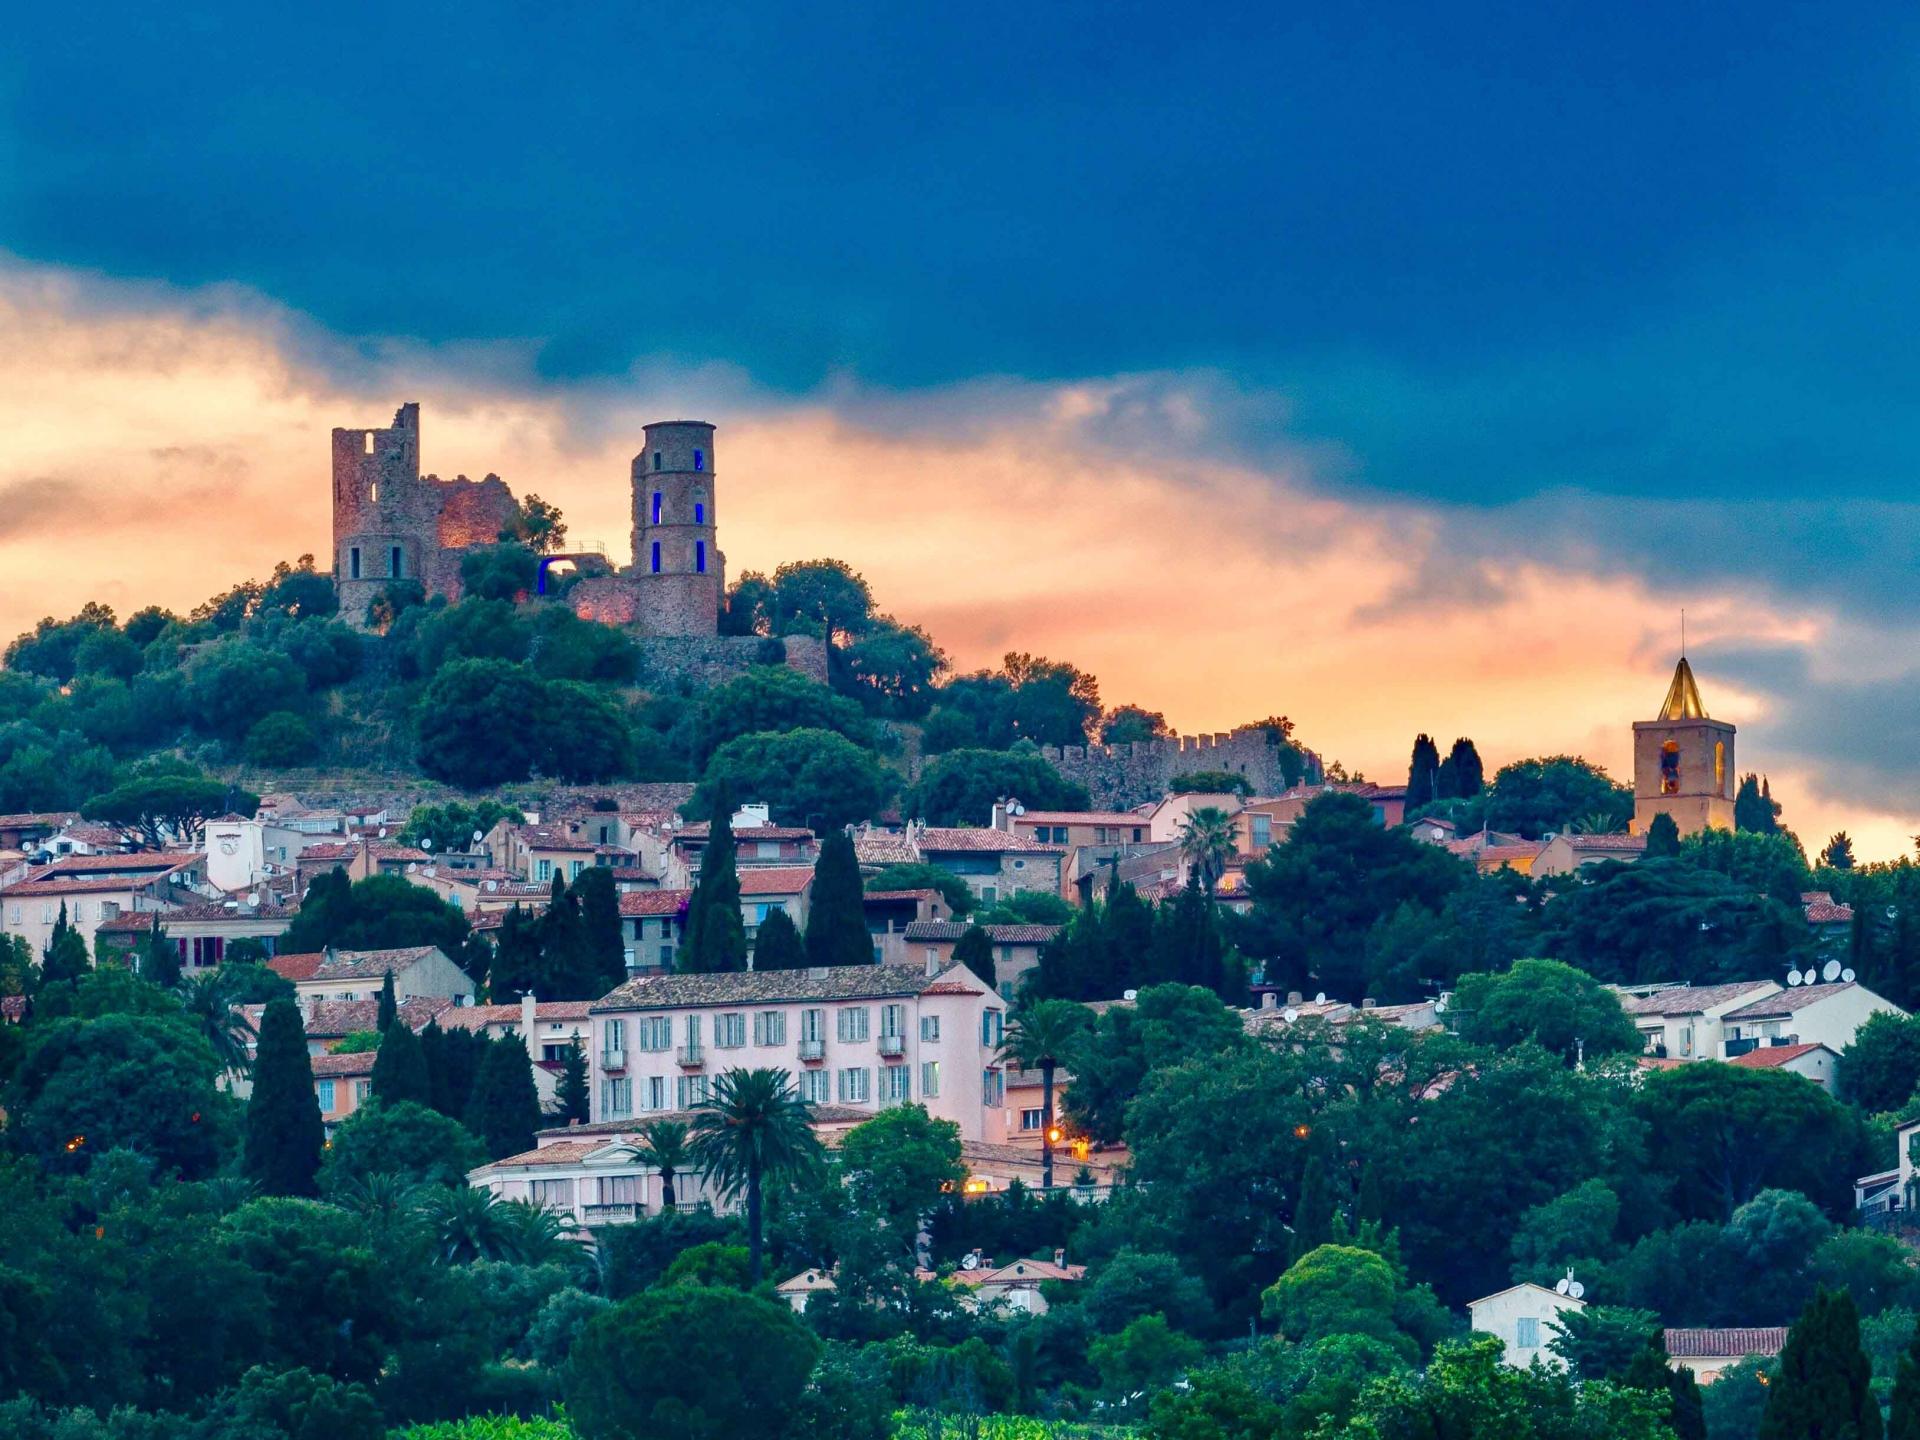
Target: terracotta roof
x,y
1688,999
332,1018
198,912
34,819
950,839
408,853
1019,1273
653,902
755,987
1080,817
148,863
1769,1057
295,967
1472,849
552,840
775,880
701,829
1715,1344
327,1067
561,1152
896,896
369,964
938,930
883,847
1825,912
1789,1001
476,1017
1623,843
805,1282
329,850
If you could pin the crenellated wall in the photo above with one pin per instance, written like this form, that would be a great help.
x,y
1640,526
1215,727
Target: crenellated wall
x,y
1119,776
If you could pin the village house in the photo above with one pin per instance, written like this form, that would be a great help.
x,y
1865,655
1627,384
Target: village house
x,y
548,1028
359,974
341,1085
1829,1013
95,889
1816,1062
763,891
201,931
1707,1353
889,915
1566,852
1522,1317
859,1036
328,1022
1016,948
1683,1022
652,924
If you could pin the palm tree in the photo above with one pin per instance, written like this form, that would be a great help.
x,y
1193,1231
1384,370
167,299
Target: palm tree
x,y
663,1145
209,1000
467,1224
1207,837
753,1129
389,1204
1041,1037
1599,822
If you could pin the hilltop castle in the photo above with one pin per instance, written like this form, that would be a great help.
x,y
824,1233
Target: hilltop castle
x,y
391,523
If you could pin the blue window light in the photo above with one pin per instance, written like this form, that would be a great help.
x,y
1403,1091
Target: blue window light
x,y
656,557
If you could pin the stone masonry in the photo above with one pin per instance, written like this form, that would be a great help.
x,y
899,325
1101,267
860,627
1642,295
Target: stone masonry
x,y
1121,776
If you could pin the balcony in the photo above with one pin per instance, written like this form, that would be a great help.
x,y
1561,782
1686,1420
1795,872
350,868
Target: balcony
x,y
813,1051
610,1214
692,1057
893,1046
613,1059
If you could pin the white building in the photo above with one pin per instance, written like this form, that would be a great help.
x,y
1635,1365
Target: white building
x,y
857,1036
361,974
236,853
1683,1022
1522,1316
1827,1015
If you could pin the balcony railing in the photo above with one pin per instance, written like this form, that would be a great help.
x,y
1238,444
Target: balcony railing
x,y
692,1057
613,1059
893,1045
610,1214
813,1050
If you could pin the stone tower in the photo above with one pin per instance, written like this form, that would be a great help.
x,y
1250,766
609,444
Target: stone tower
x,y
384,525
1683,762
678,570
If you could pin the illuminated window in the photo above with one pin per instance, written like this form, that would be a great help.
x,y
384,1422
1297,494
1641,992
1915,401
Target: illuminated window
x,y
1720,766
700,557
699,507
373,491
1670,768
656,507
369,442
699,460
656,557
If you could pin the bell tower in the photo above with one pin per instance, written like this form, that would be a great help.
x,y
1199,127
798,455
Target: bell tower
x,y
1683,762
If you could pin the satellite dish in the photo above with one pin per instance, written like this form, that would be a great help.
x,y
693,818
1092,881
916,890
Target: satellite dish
x,y
1893,912
970,1260
254,899
478,837
1014,807
1129,994
1440,1006
1290,1014
1320,998
1830,971
1576,1290
426,842
1562,1287
1794,977
1847,975
383,832
492,885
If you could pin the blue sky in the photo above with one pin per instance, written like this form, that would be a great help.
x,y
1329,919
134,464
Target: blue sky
x,y
1624,290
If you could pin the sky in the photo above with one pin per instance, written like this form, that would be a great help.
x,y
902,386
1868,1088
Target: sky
x,y
1400,370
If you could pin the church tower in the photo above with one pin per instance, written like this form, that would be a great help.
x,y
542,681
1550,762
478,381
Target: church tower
x,y
1683,762
677,567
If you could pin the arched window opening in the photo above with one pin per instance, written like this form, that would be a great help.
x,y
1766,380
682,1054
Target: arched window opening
x,y
369,442
656,557
699,459
353,563
394,557
1720,766
656,459
699,507
656,507
373,491
1670,768
700,557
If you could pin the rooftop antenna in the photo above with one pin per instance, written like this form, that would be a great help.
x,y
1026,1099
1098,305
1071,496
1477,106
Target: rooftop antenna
x,y
1683,632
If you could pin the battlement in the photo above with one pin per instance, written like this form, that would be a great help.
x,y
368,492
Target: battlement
x,y
1121,776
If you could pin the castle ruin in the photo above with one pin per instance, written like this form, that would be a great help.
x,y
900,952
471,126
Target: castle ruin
x,y
1118,777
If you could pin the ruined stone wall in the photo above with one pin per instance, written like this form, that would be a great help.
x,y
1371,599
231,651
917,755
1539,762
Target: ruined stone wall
x,y
705,660
1121,776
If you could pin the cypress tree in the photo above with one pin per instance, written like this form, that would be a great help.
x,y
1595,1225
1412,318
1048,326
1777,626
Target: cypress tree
x,y
1421,772
715,937
1663,837
1189,941
1469,775
389,1010
974,950
66,954
777,945
451,1068
1652,1371
1903,1417
515,968
283,1128
400,1068
606,947
160,958
566,969
1126,939
837,931
323,914
1822,1391
1313,1212
572,1100
433,1054
505,1109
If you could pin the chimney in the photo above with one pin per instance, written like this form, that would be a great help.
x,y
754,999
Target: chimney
x,y
1269,999
999,820
933,961
1294,997
1368,1002
1060,1258
527,1037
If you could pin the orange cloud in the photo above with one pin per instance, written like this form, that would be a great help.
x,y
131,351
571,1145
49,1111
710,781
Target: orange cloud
x,y
163,446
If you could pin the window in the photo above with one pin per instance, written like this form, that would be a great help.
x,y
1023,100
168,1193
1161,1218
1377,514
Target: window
x,y
816,1087
699,557
770,1027
699,513
991,1029
813,1025
856,1085
554,1052
993,1086
656,1033
896,1084
693,1091
1262,831
616,1096
543,870
361,1090
325,1091
656,507
699,460
1670,768
613,1036
929,1079
853,1023
353,563
693,1032
989,894
1526,1332
654,1092
656,557
893,1019
369,439
666,956
1033,1119
552,1194
767,850
393,562
929,1027
574,867
730,1030
619,1189
656,459
1720,766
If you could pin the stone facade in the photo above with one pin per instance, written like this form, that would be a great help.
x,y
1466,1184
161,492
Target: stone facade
x,y
1683,763
391,523
1120,776
704,660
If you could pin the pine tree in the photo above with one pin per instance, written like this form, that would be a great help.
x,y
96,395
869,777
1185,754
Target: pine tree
x,y
974,949
1422,772
606,946
715,937
66,954
837,931
1839,852
1663,837
400,1068
1313,1212
515,968
389,1010
505,1109
160,958
572,1099
777,944
1823,1390
323,913
1469,775
284,1133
